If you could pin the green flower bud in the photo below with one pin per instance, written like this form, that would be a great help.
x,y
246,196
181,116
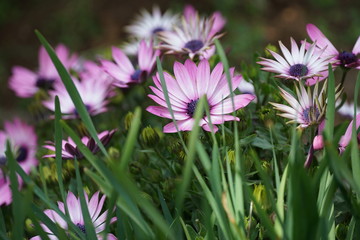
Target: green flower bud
x,y
272,48
149,136
29,226
341,231
128,120
261,196
230,156
114,153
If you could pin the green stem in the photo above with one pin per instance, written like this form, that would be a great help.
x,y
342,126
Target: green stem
x,y
345,71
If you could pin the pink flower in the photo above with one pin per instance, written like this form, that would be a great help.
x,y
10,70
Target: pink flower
x,y
71,151
23,141
25,83
299,64
73,203
5,190
94,93
191,82
124,72
194,37
345,59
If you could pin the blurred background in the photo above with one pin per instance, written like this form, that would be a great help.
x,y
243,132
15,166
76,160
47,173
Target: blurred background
x,y
90,25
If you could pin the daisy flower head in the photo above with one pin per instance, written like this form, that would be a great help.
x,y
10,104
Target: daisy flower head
x,y
191,82
93,93
346,59
298,64
73,203
23,142
147,25
124,72
308,108
25,83
194,37
70,149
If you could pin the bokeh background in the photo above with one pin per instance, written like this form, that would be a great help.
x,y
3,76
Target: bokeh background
x,y
87,26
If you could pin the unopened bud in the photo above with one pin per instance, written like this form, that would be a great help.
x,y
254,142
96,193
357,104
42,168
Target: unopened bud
x,y
149,136
271,48
128,120
261,196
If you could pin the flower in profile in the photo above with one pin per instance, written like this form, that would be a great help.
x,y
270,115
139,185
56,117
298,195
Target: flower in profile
x,y
192,82
23,142
73,203
25,83
194,37
345,59
147,25
308,109
71,151
123,70
93,92
299,64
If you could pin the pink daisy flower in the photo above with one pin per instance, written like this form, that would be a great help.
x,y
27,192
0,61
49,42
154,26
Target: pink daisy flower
x,y
71,151
124,72
94,94
299,64
147,25
191,82
344,58
23,141
307,109
73,203
25,83
194,37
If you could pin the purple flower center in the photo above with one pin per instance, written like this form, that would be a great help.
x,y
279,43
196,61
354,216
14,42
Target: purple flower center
x,y
88,108
136,75
81,227
191,106
347,58
22,154
298,70
2,160
311,114
157,29
45,83
194,45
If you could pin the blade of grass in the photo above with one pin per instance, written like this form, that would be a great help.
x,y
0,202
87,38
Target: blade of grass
x,y
17,204
73,92
130,140
355,159
89,226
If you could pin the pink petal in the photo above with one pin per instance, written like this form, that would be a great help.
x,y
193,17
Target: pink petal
x,y
318,142
122,60
74,208
183,125
345,140
356,49
225,106
183,78
317,36
164,112
203,77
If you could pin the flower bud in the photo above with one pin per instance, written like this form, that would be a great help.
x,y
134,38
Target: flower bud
x,y
261,196
149,136
128,120
272,48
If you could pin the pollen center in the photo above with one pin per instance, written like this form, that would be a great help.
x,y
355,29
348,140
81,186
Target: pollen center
x,y
298,70
136,75
191,106
194,45
311,114
45,83
81,227
347,58
22,154
157,29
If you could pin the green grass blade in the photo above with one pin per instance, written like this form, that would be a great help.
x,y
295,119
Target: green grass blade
x,y
17,203
130,140
2,222
73,92
355,159
89,226
330,110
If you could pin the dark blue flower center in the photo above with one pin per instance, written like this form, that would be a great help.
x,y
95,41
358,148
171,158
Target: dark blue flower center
x,y
191,106
22,154
347,58
298,70
45,83
194,45
136,75
81,227
157,29
311,114
88,108
3,160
